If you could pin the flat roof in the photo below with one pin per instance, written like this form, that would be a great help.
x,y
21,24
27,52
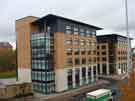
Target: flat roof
x,y
51,16
110,35
98,92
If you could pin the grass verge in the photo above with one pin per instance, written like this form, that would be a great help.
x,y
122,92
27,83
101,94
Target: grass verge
x,y
6,75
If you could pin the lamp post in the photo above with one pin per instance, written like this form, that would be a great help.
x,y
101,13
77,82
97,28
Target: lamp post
x,y
128,37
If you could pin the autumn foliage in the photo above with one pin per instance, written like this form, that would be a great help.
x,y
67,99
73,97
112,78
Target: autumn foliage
x,y
128,89
7,59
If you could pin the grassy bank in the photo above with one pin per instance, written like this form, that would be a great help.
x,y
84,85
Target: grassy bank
x,y
9,74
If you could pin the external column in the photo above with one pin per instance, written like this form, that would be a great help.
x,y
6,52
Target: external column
x,y
96,73
87,81
73,78
117,68
80,76
108,69
101,69
92,74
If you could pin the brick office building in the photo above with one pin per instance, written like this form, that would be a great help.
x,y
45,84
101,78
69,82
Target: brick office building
x,y
63,52
112,54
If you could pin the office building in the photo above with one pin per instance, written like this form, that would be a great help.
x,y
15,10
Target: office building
x,y
63,53
112,54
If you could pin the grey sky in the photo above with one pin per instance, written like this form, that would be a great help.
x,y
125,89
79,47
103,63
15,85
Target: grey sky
x,y
108,14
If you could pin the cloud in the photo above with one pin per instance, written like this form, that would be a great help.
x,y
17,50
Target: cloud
x,y
109,14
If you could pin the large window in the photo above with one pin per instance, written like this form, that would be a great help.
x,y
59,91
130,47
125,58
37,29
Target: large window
x,y
89,52
76,42
82,42
87,42
93,32
77,77
82,32
68,42
83,51
90,60
68,30
103,53
76,31
69,61
69,51
76,51
89,74
42,63
83,60
84,75
69,79
77,61
104,59
87,32
103,47
93,43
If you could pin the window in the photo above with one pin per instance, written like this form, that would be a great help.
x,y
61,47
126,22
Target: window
x,y
97,47
94,70
69,79
103,47
95,59
83,51
93,43
89,60
76,42
98,53
68,30
84,75
89,52
68,42
93,32
77,77
83,61
87,42
82,42
89,72
75,31
68,27
82,32
69,61
104,59
94,52
69,51
76,52
83,72
77,61
98,59
87,32
103,53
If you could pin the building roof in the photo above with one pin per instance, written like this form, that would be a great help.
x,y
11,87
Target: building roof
x,y
112,35
98,92
51,16
27,17
5,45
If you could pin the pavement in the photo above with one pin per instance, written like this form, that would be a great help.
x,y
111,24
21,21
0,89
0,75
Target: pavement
x,y
71,95
6,81
114,77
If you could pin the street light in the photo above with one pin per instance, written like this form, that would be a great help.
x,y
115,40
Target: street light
x,y
128,37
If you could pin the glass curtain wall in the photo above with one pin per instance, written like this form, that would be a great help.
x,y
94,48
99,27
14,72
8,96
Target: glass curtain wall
x,y
42,62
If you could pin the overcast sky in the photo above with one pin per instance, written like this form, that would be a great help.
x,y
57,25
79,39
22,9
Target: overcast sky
x,y
108,14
